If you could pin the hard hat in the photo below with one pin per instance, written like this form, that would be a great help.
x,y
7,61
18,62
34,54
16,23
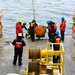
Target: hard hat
x,y
20,34
49,21
57,32
20,21
24,23
62,18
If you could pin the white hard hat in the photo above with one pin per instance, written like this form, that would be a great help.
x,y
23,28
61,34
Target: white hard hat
x,y
20,34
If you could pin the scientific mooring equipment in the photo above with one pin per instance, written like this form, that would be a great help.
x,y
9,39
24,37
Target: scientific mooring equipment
x,y
42,60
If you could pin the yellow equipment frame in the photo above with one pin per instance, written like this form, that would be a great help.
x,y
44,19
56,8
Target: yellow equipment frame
x,y
46,58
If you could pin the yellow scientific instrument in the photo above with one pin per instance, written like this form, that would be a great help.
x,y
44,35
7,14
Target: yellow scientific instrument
x,y
42,61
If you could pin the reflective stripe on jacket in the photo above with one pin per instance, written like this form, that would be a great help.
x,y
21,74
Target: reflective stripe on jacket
x,y
18,45
51,29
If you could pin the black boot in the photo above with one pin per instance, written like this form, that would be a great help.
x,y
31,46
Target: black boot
x,y
14,63
20,64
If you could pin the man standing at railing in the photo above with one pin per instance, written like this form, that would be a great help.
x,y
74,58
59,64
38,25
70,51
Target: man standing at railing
x,y
62,28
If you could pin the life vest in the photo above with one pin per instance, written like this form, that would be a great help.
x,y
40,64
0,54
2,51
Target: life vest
x,y
55,27
52,28
63,25
31,25
18,45
57,40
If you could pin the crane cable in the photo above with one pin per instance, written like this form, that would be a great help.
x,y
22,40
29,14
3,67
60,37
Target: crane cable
x,y
33,3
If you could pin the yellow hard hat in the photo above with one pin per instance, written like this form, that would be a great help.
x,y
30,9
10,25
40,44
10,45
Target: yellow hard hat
x,y
20,21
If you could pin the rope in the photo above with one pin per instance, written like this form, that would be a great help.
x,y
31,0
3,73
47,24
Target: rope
x,y
33,3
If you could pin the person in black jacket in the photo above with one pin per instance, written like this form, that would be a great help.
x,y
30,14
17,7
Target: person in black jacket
x,y
51,29
18,49
24,26
32,26
56,39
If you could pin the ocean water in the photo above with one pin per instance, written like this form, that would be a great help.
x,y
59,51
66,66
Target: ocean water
x,y
13,10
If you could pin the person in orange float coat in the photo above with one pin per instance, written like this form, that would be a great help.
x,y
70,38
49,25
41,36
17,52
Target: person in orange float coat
x,y
19,27
51,29
62,28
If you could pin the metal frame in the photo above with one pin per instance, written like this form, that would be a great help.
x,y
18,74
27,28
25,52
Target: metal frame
x,y
46,59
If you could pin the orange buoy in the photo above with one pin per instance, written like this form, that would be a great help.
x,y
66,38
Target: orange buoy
x,y
40,30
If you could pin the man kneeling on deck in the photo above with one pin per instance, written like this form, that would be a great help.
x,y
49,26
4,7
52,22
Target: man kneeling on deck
x,y
56,39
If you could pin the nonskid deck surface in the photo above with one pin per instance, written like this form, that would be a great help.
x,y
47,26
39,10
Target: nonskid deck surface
x,y
7,52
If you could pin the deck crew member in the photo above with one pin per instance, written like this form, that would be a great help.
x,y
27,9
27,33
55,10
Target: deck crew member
x,y
18,49
32,26
51,29
62,28
24,26
56,39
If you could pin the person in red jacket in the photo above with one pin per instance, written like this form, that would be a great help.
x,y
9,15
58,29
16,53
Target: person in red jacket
x,y
62,28
19,27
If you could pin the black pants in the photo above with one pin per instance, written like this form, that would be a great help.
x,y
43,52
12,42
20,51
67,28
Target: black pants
x,y
50,35
62,35
18,55
32,34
